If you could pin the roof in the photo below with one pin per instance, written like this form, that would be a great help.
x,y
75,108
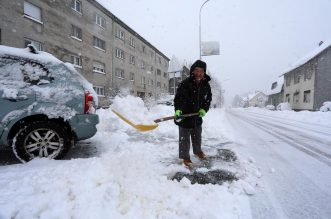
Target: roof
x,y
278,88
326,44
252,95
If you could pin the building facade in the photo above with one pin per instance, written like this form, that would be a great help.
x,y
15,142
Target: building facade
x,y
258,99
308,84
108,53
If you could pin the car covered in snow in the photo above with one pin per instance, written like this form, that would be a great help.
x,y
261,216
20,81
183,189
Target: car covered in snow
x,y
45,104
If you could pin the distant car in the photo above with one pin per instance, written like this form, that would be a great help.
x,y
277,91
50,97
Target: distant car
x,y
45,104
270,107
166,102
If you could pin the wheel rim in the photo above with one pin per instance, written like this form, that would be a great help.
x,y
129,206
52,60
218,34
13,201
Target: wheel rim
x,y
43,143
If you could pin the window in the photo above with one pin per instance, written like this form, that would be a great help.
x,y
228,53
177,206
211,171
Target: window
x,y
132,43
76,5
158,84
98,43
142,64
159,58
143,48
152,82
76,32
152,69
306,96
99,20
120,34
132,60
165,74
131,76
31,71
98,67
308,73
38,45
119,53
296,77
76,60
152,54
143,80
119,73
274,85
158,72
32,11
99,90
288,80
296,97
287,98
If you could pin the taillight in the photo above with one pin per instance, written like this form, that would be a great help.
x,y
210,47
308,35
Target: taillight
x,y
89,103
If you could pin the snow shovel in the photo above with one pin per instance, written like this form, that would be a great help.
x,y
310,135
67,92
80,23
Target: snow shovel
x,y
144,128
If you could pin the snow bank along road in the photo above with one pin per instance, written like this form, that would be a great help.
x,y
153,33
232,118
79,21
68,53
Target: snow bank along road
x,y
294,158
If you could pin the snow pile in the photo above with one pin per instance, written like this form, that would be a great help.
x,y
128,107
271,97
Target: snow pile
x,y
130,177
284,106
132,108
326,106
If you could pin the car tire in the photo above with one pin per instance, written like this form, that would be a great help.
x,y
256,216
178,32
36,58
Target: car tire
x,y
41,139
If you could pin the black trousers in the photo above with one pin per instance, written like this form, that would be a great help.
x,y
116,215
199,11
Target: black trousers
x,y
185,135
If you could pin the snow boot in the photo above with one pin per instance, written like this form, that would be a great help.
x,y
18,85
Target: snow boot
x,y
188,163
201,156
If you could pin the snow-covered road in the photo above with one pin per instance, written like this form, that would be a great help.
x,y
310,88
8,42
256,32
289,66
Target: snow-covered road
x,y
294,158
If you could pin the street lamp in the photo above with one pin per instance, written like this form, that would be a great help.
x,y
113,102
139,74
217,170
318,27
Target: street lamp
x,y
200,25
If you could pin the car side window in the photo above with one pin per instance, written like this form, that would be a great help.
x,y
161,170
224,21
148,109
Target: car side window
x,y
10,72
28,71
35,73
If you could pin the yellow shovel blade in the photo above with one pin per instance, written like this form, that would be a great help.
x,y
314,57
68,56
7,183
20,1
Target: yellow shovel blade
x,y
140,127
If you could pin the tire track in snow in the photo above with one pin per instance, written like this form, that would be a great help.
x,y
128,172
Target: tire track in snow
x,y
279,133
317,142
292,121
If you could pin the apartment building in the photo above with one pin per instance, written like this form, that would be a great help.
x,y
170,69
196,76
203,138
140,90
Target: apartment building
x,y
110,55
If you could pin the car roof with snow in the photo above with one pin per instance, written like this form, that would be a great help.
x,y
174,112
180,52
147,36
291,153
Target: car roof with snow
x,y
27,53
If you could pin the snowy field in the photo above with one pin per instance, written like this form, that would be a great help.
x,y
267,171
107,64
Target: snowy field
x,y
129,175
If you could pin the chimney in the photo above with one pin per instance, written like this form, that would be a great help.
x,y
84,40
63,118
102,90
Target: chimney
x,y
320,43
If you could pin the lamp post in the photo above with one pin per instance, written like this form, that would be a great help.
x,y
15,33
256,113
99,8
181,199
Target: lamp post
x,y
200,25
222,92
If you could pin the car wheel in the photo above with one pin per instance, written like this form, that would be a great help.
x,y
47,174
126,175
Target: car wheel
x,y
41,139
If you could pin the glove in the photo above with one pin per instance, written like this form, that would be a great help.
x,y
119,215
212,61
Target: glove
x,y
178,113
202,113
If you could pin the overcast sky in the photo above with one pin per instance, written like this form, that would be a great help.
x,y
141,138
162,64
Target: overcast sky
x,y
259,39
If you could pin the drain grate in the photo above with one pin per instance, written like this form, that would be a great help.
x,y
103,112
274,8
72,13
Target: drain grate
x,y
213,177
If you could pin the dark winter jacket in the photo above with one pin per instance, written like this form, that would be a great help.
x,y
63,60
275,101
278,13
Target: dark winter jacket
x,y
191,97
